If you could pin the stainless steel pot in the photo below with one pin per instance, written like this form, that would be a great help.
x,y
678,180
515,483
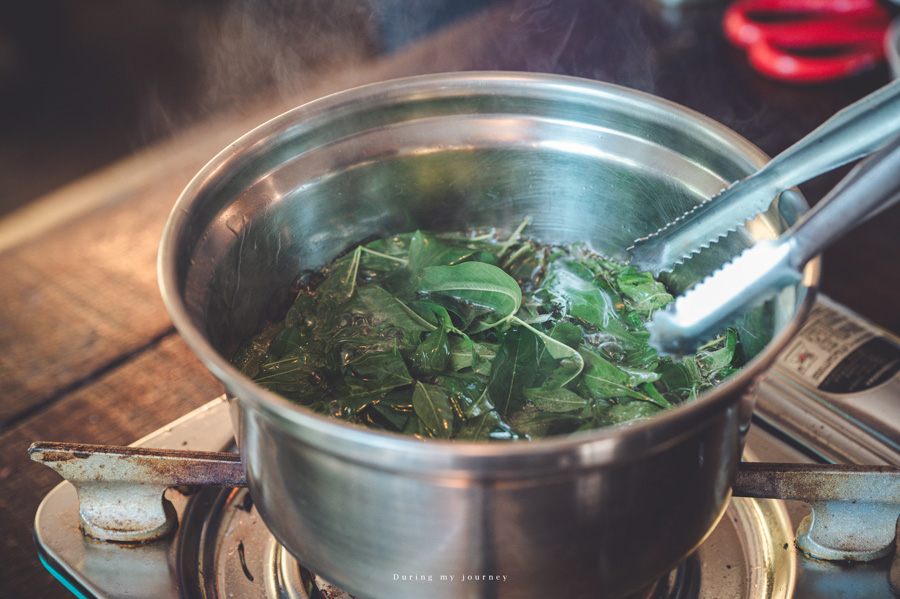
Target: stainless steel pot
x,y
600,514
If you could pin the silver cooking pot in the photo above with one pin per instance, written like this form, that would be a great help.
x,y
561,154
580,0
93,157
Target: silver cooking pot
x,y
598,514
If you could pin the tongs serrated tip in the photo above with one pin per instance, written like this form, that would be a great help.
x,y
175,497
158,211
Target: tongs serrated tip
x,y
852,133
689,234
752,278
763,270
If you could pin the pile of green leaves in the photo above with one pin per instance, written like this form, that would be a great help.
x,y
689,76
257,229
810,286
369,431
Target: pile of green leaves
x,y
466,337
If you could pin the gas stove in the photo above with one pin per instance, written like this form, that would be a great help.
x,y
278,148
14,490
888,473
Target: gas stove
x,y
830,398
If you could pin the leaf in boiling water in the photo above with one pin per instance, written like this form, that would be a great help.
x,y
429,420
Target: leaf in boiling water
x,y
383,307
433,407
291,376
476,284
514,368
467,392
655,396
581,298
571,362
379,372
712,361
339,285
644,293
462,352
533,423
605,380
432,355
386,254
465,353
286,340
387,417
568,334
434,313
479,428
630,412
555,399
427,250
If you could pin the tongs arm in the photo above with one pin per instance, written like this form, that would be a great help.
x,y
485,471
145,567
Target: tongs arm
x,y
854,132
871,187
764,269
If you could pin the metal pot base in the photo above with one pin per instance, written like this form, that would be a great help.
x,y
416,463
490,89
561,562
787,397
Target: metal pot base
x,y
738,560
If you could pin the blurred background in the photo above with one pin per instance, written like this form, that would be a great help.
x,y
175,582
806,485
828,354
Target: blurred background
x,y
85,83
107,109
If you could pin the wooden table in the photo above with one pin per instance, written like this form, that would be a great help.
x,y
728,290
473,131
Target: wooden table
x,y
87,351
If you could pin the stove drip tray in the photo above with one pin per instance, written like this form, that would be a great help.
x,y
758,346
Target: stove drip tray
x,y
225,550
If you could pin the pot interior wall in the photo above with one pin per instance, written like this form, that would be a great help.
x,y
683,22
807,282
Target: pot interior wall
x,y
598,170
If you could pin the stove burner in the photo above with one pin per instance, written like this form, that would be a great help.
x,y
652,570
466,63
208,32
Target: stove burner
x,y
682,583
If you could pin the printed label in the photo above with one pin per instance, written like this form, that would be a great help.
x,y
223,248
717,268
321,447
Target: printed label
x,y
869,365
838,353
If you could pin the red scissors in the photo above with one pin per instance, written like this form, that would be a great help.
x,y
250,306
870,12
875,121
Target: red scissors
x,y
809,40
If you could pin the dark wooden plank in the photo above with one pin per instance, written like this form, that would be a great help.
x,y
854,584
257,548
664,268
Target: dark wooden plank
x,y
78,299
149,391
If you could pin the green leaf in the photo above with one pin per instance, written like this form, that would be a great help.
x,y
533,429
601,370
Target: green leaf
x,y
379,372
514,368
465,353
581,298
339,285
385,309
434,313
386,417
572,364
291,376
475,284
630,412
533,423
385,255
427,250
432,355
655,396
568,334
645,294
286,340
433,407
302,312
555,399
467,392
479,428
712,361
605,380
481,405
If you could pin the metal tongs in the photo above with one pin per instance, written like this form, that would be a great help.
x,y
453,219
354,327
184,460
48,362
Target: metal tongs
x,y
761,271
854,132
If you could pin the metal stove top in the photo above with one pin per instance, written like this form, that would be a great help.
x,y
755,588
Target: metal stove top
x,y
222,548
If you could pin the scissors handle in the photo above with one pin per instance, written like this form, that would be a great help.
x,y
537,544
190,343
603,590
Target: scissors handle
x,y
784,63
808,40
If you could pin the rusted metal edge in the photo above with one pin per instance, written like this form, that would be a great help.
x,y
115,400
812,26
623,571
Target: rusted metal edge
x,y
855,508
120,489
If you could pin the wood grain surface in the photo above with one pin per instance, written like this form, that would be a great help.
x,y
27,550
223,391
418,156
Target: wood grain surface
x,y
88,352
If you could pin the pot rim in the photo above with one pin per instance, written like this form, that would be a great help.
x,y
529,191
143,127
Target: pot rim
x,y
591,447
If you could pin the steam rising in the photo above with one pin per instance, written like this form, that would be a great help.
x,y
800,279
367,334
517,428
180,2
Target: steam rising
x,y
239,52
